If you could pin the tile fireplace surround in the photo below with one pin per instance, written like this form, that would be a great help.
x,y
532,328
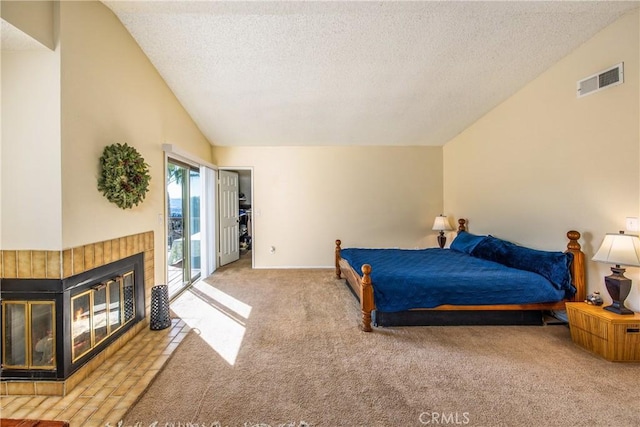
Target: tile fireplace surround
x,y
38,264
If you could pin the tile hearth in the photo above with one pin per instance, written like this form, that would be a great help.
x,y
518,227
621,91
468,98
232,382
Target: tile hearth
x,y
109,391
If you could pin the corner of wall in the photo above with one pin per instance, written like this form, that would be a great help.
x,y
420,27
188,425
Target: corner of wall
x,y
35,18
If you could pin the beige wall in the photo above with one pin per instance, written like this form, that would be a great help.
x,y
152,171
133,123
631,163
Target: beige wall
x,y
97,88
111,93
544,161
31,171
306,197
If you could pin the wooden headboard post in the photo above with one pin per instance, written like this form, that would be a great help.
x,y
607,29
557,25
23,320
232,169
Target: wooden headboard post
x,y
462,225
577,266
338,272
366,301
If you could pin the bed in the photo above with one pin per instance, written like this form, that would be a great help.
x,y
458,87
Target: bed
x,y
478,280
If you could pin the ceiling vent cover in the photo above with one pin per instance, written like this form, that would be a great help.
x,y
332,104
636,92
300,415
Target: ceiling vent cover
x,y
610,77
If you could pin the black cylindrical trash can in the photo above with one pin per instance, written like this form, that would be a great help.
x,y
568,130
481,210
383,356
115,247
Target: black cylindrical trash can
x,y
160,318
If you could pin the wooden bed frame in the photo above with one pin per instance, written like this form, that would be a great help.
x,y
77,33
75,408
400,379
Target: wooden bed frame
x,y
362,288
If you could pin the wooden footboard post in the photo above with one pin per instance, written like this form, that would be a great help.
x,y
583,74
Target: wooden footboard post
x,y
338,272
366,301
577,266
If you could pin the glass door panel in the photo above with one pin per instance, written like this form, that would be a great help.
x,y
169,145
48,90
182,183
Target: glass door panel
x,y
177,207
183,226
194,223
100,331
28,334
43,335
15,334
115,309
80,325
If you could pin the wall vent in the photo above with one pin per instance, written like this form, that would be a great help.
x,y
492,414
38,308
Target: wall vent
x,y
607,78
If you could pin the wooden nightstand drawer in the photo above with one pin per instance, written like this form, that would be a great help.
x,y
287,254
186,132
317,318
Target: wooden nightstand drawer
x,y
588,323
614,337
627,343
589,341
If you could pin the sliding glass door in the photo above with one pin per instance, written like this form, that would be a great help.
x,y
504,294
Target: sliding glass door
x,y
183,225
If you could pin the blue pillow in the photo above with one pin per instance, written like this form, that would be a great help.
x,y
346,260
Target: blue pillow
x,y
465,242
554,266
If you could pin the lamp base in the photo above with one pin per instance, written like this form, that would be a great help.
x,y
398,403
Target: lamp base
x,y
442,239
616,308
618,287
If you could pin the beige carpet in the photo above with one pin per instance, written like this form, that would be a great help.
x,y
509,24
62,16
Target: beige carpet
x,y
303,361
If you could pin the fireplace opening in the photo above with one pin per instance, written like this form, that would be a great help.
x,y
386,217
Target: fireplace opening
x,y
51,328
100,312
29,335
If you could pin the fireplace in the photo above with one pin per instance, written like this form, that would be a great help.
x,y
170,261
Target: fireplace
x,y
53,327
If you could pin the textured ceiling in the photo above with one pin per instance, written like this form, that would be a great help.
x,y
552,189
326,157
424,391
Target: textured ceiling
x,y
353,73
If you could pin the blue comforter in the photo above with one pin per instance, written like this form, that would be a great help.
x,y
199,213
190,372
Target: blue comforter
x,y
404,279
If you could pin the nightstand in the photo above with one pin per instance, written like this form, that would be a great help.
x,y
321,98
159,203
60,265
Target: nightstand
x,y
613,336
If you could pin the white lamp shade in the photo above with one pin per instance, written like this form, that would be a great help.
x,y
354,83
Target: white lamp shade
x,y
619,249
441,223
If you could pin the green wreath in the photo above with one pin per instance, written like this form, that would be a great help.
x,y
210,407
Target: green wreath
x,y
124,176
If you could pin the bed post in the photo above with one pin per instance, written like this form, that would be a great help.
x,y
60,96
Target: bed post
x,y
462,225
338,272
366,300
577,266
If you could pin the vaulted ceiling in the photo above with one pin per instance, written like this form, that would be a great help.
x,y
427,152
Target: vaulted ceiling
x,y
275,73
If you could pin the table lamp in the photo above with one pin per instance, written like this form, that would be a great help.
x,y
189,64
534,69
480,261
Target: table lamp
x,y
619,249
441,224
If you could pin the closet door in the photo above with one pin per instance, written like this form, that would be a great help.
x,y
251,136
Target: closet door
x,y
229,221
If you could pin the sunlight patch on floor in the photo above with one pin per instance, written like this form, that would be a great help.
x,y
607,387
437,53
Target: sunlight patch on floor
x,y
218,316
225,299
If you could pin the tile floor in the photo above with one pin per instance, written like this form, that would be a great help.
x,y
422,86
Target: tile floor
x,y
107,393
